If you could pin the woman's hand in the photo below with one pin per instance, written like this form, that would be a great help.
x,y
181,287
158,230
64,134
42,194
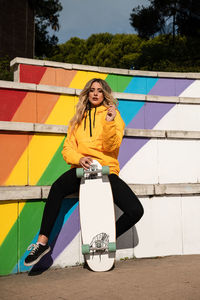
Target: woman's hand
x,y
85,162
111,113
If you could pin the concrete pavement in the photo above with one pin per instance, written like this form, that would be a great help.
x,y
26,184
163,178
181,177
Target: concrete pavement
x,y
170,278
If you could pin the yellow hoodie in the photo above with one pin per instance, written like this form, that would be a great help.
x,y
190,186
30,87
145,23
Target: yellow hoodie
x,y
97,138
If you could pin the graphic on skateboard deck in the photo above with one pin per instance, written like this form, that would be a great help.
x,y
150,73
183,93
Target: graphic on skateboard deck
x,y
97,217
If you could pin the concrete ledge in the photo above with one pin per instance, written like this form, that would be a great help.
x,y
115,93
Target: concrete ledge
x,y
8,193
20,192
182,134
76,92
149,133
143,189
55,89
55,64
129,96
32,127
128,132
155,98
189,100
143,73
17,86
16,61
48,128
16,126
177,189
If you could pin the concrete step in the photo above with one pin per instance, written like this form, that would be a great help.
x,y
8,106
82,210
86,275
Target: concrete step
x,y
23,193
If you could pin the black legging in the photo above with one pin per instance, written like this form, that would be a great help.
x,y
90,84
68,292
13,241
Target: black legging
x,y
68,183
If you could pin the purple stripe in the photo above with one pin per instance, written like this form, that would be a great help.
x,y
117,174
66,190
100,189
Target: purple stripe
x,y
67,233
170,87
129,147
150,114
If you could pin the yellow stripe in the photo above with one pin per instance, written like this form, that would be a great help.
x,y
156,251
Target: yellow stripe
x,y
9,212
19,174
8,215
63,111
82,77
41,150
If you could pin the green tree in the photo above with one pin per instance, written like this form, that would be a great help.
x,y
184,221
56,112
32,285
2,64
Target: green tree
x,y
46,14
129,51
121,52
5,72
167,16
95,45
147,21
103,49
72,51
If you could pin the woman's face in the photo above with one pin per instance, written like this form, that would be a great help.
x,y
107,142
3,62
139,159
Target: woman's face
x,y
96,94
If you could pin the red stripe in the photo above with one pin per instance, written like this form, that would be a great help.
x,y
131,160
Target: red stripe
x,y
10,100
31,74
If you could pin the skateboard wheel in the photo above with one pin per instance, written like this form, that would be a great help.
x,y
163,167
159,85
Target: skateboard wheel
x,y
79,172
85,249
105,170
111,247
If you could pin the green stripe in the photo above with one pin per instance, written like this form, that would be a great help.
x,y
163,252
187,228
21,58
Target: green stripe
x,y
29,223
20,236
56,167
118,83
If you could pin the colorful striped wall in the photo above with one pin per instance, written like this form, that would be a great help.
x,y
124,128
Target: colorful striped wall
x,y
35,158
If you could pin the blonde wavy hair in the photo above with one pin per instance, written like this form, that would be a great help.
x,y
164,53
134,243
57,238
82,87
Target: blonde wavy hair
x,y
84,104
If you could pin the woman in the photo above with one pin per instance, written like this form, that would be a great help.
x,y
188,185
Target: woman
x,y
95,132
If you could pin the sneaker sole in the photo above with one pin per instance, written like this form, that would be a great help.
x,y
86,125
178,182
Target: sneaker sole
x,y
38,259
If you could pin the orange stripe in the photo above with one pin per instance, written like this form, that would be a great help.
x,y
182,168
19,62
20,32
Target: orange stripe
x,y
58,77
26,112
45,104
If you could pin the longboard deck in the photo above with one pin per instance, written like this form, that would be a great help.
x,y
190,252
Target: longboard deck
x,y
97,217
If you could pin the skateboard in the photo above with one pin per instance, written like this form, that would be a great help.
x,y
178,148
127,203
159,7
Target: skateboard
x,y
97,217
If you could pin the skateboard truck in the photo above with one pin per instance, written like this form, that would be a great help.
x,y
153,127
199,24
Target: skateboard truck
x,y
92,172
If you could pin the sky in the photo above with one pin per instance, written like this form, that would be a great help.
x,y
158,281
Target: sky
x,y
82,18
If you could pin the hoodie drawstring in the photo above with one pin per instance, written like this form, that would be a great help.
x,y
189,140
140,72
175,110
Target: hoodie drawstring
x,y
85,120
90,120
94,117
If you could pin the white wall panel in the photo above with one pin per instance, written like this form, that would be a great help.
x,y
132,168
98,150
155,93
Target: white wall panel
x,y
193,90
143,166
178,161
191,224
181,117
159,231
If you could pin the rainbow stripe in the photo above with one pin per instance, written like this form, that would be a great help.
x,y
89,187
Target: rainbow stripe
x,y
28,159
